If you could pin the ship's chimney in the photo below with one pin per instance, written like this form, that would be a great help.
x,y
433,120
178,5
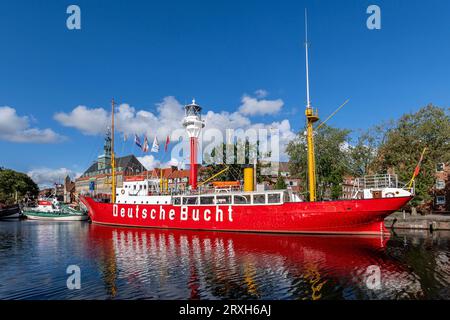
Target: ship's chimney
x,y
193,124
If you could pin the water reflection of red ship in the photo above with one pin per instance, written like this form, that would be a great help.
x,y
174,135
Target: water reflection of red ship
x,y
231,264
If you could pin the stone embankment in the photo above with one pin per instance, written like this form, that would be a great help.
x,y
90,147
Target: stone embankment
x,y
400,220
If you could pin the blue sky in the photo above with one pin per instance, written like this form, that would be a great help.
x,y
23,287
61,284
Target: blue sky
x,y
220,52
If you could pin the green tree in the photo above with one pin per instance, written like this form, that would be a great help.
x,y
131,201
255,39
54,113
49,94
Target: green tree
x,y
332,160
364,153
228,155
15,184
400,151
280,184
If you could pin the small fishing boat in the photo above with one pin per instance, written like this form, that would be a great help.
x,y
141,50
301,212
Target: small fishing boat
x,y
9,212
48,209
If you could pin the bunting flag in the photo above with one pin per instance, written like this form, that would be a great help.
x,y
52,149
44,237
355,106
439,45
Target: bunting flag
x,y
145,145
155,146
167,144
137,141
417,169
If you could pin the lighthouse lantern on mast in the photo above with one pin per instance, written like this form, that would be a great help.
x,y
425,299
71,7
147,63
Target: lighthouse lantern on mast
x,y
193,123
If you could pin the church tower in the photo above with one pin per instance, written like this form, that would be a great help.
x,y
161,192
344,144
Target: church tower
x,y
104,160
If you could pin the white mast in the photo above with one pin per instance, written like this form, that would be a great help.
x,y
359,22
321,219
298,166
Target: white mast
x,y
308,101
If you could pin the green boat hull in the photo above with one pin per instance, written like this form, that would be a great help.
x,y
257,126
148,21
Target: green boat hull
x,y
55,216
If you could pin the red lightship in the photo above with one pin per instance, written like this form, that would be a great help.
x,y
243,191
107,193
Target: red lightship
x,y
142,203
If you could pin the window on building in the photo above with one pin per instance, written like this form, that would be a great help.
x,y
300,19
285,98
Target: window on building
x,y
440,167
440,200
440,184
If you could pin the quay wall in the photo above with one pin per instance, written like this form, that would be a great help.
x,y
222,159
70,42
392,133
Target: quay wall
x,y
399,220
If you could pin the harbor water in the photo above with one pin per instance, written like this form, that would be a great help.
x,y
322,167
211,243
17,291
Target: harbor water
x,y
127,263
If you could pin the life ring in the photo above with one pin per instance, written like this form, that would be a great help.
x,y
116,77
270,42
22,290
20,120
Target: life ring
x,y
122,192
390,195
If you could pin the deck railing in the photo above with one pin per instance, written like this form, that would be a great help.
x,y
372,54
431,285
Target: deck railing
x,y
378,182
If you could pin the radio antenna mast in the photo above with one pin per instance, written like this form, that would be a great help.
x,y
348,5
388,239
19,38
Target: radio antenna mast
x,y
311,117
308,101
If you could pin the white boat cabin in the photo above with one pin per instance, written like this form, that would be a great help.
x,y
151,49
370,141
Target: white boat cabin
x,y
146,191
140,190
380,186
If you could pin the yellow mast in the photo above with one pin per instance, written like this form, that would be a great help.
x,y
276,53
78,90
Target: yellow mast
x,y
311,117
113,160
161,183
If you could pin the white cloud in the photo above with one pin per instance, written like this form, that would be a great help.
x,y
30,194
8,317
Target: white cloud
x,y
149,162
172,162
225,120
254,106
167,120
128,120
345,146
50,176
88,121
261,93
15,128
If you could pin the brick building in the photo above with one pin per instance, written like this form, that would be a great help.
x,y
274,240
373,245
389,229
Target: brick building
x,y
271,170
97,179
441,189
176,180
347,188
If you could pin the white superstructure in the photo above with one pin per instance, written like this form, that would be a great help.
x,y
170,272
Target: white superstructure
x,y
141,190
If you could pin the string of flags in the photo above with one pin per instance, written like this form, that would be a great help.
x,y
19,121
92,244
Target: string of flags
x,y
137,141
145,146
155,146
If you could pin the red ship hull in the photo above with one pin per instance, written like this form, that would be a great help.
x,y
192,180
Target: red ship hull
x,y
331,217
